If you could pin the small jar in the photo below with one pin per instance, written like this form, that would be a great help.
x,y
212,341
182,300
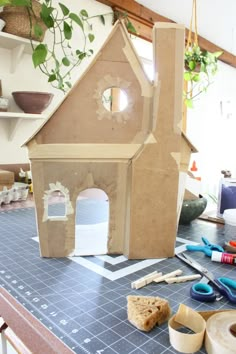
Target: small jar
x,y
4,104
2,24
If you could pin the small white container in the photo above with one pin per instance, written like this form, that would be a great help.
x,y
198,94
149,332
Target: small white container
x,y
2,24
229,217
4,102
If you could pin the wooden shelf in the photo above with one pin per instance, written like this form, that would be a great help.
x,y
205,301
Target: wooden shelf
x,y
15,118
17,45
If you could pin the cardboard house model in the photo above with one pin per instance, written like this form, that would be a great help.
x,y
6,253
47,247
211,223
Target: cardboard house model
x,y
136,155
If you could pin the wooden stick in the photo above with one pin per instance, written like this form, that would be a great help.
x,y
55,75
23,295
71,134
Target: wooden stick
x,y
182,279
147,279
168,275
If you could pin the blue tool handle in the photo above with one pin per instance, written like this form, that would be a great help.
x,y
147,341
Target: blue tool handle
x,y
205,241
227,287
202,292
200,248
195,248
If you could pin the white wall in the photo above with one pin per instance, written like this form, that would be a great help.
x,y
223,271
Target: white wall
x,y
211,126
215,18
27,78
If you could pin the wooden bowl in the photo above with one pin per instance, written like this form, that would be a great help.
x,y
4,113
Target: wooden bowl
x,y
31,101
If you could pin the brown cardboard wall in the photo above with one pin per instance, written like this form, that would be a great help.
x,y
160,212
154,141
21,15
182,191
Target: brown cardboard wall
x,y
57,237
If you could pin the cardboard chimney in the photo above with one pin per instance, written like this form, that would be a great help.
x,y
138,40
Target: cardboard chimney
x,y
137,155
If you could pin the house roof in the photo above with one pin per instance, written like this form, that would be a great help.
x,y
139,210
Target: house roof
x,y
136,63
191,146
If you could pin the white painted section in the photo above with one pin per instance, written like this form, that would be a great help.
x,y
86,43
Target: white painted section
x,y
181,190
141,264
91,239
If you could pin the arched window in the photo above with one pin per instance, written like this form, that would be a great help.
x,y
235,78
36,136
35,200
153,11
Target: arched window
x,y
57,204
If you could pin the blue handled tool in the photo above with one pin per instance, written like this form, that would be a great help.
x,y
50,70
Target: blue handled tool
x,y
207,248
204,292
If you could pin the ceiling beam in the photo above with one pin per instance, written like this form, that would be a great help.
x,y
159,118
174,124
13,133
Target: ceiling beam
x,y
143,20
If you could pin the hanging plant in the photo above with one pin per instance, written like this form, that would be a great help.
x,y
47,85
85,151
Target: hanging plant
x,y
200,65
58,58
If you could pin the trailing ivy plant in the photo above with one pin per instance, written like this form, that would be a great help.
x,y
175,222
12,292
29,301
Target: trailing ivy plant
x,y
58,59
200,67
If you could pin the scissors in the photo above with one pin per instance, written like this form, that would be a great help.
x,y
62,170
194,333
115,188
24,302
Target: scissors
x,y
204,292
207,248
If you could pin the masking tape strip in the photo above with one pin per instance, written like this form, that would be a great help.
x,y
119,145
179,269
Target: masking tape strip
x,y
184,342
220,331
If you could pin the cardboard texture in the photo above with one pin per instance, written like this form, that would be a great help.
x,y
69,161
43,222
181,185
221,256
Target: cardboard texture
x,y
135,155
7,179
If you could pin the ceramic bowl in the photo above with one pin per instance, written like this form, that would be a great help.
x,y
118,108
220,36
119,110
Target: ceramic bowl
x,y
192,209
31,101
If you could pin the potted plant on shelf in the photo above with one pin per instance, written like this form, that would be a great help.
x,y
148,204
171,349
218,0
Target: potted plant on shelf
x,y
57,57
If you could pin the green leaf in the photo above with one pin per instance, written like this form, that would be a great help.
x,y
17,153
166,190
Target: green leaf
x,y
84,13
78,52
68,84
188,102
39,55
67,30
20,3
64,9
38,30
76,19
52,78
91,37
196,78
203,68
66,61
82,56
102,18
89,52
192,65
4,2
57,66
130,27
187,76
217,54
45,15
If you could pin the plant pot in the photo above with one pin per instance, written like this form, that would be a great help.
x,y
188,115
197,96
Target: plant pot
x,y
196,70
18,23
32,102
192,209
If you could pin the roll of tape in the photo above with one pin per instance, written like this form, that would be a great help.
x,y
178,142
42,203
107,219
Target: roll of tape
x,y
187,342
221,333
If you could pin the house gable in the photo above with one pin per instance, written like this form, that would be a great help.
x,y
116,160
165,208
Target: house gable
x,y
82,116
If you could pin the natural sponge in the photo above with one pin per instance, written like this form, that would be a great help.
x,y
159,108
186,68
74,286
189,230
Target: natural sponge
x,y
145,312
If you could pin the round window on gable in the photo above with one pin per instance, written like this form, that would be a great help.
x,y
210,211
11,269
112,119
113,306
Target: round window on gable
x,y
114,99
